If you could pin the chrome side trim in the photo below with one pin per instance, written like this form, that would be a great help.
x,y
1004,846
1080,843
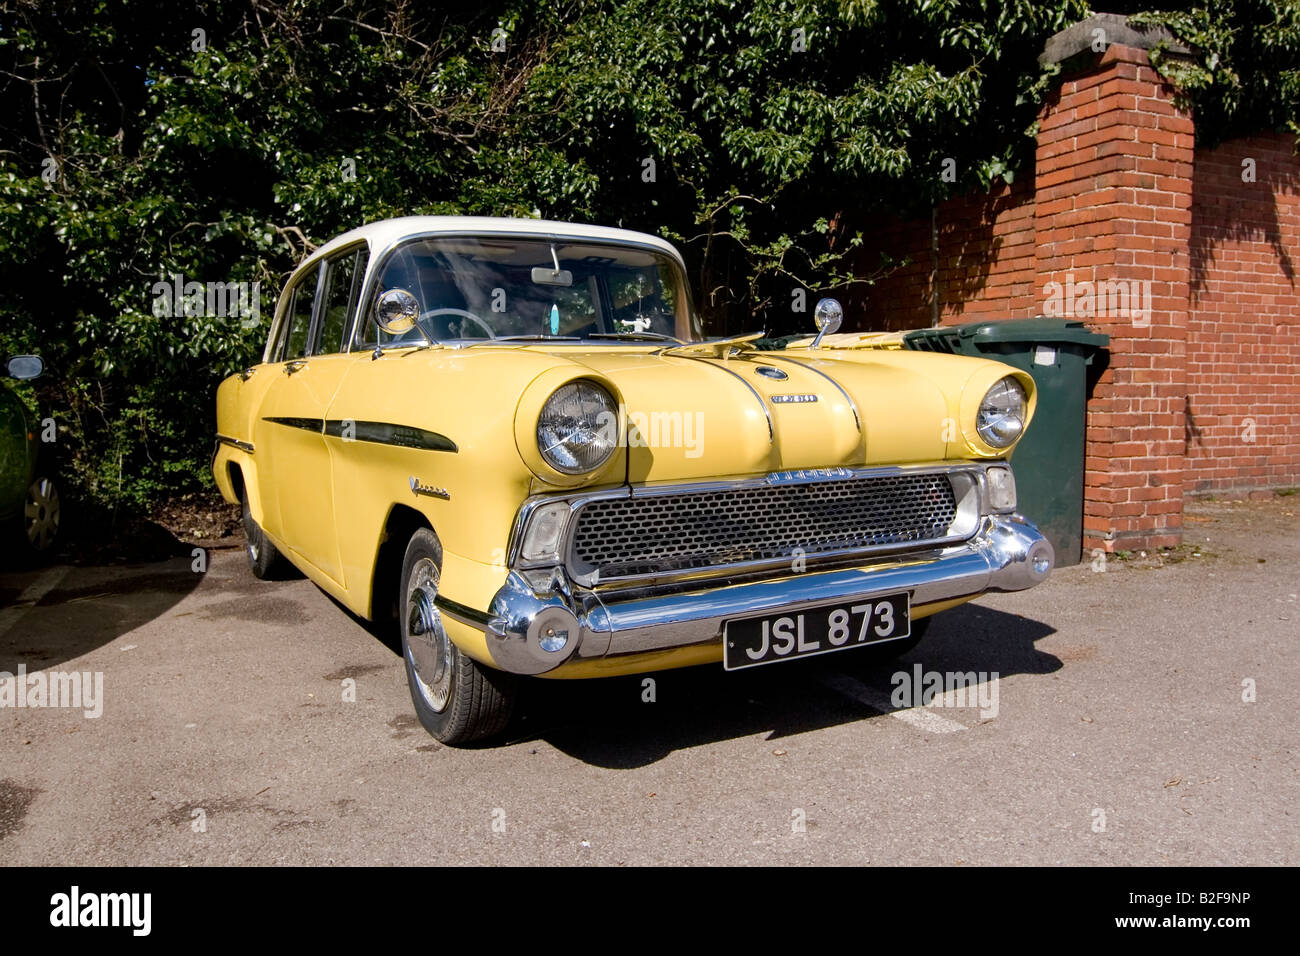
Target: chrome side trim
x,y
235,443
306,424
387,433
379,433
461,612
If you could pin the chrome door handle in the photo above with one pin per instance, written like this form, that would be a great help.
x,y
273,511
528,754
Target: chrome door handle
x,y
247,373
296,365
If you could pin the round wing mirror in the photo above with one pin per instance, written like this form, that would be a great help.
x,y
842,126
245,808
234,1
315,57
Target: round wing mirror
x,y
828,315
25,366
396,311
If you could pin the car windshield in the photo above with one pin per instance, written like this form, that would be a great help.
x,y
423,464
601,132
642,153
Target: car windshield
x,y
481,288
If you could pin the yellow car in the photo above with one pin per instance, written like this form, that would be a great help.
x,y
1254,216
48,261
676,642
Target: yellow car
x,y
510,435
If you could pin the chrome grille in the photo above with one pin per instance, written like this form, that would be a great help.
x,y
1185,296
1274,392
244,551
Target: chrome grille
x,y
653,534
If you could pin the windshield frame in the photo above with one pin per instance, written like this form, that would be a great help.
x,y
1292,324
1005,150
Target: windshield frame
x,y
378,264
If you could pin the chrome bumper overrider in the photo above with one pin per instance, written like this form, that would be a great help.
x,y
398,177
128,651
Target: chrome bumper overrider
x,y
1008,553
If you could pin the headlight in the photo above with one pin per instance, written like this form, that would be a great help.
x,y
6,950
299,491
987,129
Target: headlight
x,y
1001,416
577,430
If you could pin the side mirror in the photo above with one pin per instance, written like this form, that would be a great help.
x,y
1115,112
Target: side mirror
x,y
828,315
396,311
25,366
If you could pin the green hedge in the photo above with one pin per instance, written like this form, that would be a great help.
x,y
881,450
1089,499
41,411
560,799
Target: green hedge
x,y
219,141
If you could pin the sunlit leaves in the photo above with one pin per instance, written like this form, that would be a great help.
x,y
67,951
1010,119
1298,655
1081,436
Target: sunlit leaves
x,y
779,131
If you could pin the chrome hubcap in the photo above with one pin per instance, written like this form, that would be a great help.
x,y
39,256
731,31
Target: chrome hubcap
x,y
428,649
250,535
41,513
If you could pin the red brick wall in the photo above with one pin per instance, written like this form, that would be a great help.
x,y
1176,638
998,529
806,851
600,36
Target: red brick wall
x,y
1110,199
986,264
1113,202
1243,348
1202,392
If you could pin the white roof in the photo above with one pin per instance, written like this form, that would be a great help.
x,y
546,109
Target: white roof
x,y
386,232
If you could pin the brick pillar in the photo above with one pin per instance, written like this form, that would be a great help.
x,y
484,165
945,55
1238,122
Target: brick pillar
x,y
1113,205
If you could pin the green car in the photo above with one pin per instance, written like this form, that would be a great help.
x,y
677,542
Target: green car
x,y
29,500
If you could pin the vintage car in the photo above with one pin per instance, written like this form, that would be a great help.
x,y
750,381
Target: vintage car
x,y
510,435
30,510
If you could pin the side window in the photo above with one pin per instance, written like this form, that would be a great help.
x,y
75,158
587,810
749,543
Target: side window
x,y
299,318
342,288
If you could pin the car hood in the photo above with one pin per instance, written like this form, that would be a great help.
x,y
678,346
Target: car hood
x,y
699,412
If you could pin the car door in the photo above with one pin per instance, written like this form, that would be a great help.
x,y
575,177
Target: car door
x,y
309,365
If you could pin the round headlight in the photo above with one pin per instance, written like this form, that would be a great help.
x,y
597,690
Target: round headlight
x,y
1001,416
577,430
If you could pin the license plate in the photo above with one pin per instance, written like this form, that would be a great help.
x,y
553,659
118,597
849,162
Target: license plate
x,y
750,642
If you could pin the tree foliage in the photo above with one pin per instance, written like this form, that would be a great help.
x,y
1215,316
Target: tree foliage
x,y
223,140
1245,71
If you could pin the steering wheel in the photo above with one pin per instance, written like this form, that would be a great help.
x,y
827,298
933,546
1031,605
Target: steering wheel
x,y
469,315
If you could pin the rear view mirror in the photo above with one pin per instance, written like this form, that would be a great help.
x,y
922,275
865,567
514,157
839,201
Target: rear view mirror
x,y
25,366
545,276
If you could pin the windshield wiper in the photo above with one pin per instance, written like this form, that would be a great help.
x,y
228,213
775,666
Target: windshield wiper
x,y
646,336
535,338
381,350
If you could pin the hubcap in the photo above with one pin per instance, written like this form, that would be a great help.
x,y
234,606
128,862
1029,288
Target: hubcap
x,y
41,514
250,535
428,649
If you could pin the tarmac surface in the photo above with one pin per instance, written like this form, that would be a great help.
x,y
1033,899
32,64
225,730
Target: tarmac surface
x,y
1141,714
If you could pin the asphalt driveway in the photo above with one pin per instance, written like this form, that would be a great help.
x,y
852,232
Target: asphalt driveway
x,y
1141,714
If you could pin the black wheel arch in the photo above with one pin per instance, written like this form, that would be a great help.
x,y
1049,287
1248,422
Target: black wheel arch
x,y
400,524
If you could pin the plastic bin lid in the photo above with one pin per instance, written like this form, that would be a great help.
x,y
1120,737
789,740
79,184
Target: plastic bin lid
x,y
1042,328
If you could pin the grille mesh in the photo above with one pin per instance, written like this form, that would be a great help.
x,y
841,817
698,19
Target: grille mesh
x,y
654,534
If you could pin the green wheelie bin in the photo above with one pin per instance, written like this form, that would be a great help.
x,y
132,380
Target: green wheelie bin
x,y
1065,360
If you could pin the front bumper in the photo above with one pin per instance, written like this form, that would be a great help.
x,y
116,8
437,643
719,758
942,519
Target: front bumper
x,y
1008,553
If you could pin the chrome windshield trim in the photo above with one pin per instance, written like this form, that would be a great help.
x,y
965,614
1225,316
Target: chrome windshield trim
x,y
379,257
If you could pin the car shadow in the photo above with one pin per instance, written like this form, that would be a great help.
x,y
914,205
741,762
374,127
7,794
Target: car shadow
x,y
610,722
385,631
58,613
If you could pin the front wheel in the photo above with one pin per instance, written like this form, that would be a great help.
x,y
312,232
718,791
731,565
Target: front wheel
x,y
457,699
